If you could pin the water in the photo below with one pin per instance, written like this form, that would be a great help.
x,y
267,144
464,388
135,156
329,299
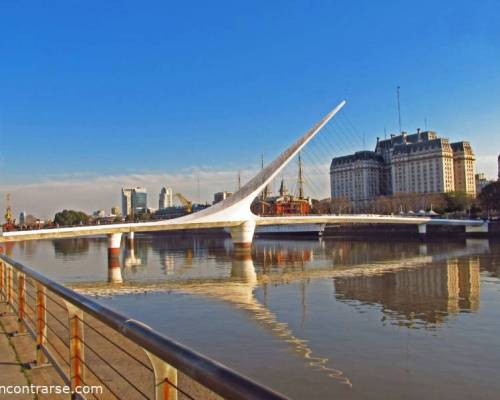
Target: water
x,y
350,319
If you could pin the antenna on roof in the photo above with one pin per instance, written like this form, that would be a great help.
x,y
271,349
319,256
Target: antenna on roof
x,y
425,123
399,110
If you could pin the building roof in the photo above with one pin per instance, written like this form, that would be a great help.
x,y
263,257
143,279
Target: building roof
x,y
438,143
359,155
404,138
461,146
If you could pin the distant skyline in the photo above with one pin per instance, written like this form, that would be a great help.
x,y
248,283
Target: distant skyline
x,y
98,96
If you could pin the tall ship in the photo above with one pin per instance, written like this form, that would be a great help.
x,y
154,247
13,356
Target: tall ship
x,y
283,204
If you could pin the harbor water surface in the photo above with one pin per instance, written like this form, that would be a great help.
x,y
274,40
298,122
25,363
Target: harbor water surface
x,y
313,319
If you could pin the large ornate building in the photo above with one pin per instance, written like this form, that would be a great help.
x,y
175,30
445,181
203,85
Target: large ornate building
x,y
417,163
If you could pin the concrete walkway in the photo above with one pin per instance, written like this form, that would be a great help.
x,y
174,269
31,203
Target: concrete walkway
x,y
16,351
10,368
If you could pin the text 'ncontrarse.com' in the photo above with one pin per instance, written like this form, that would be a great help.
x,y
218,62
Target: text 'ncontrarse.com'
x,y
48,389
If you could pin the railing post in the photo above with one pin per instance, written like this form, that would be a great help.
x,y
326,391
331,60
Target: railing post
x,y
2,279
21,299
76,346
10,286
164,373
41,323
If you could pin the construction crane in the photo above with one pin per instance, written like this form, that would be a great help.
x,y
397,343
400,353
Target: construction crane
x,y
188,205
9,224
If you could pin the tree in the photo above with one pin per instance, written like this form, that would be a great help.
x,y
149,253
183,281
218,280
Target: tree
x,y
489,198
458,201
341,205
321,206
71,217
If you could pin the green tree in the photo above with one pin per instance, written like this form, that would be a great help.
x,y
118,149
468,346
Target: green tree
x,y
458,201
71,217
489,198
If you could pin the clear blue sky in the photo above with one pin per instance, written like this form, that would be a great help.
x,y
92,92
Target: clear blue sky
x,y
93,87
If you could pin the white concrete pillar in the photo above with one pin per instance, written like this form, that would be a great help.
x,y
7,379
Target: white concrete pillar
x,y
242,235
114,241
114,270
422,229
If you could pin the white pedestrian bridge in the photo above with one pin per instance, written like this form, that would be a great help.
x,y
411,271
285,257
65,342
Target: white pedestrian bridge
x,y
234,212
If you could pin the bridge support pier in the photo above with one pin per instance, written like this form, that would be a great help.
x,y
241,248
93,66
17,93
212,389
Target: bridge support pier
x,y
114,270
242,235
422,229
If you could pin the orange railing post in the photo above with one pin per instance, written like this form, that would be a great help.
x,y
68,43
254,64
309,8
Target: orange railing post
x,y
2,279
21,300
76,346
10,286
41,323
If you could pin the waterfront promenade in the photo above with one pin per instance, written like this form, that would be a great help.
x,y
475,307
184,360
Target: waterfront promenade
x,y
16,354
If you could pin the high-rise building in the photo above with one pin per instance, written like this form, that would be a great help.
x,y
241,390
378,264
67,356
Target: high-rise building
x,y
356,177
126,202
219,196
166,198
498,167
22,217
139,199
481,182
464,168
417,163
134,200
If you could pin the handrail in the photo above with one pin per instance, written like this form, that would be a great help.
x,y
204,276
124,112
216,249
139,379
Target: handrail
x,y
217,377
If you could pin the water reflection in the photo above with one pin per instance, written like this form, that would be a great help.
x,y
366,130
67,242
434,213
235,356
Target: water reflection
x,y
420,296
309,296
241,295
69,247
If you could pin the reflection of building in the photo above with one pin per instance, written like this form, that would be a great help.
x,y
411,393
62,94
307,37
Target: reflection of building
x,y
286,254
416,163
166,198
427,293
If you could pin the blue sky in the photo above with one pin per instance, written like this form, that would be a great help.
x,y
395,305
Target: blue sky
x,y
91,89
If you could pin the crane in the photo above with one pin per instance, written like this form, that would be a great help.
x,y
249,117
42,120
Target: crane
x,y
8,209
9,223
188,205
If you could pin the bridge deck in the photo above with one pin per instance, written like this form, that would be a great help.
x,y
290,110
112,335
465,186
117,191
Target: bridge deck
x,y
172,224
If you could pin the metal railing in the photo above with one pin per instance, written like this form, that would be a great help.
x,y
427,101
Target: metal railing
x,y
90,344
